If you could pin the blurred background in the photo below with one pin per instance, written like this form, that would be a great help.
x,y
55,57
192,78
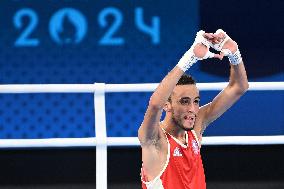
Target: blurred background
x,y
138,41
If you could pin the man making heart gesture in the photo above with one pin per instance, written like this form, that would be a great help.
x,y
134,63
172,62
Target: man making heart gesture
x,y
171,147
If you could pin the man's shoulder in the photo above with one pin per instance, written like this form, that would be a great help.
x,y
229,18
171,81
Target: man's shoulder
x,y
157,142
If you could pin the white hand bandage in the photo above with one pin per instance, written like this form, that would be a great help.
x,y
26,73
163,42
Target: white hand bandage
x,y
189,58
200,39
234,58
219,46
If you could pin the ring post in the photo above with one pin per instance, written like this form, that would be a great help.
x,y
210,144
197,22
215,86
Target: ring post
x,y
101,136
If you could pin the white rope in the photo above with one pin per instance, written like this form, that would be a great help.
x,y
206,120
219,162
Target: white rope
x,y
48,88
110,88
125,141
133,141
102,141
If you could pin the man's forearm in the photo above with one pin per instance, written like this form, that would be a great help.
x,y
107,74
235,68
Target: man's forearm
x,y
165,88
228,47
238,78
198,51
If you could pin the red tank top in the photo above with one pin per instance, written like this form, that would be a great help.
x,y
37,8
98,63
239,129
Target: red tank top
x,y
183,168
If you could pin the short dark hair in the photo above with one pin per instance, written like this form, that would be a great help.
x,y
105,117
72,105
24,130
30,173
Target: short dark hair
x,y
184,80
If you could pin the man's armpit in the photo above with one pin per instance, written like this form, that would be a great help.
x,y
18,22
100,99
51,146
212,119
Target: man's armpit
x,y
149,142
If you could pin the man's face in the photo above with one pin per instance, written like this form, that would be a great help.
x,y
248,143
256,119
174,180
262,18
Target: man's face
x,y
184,105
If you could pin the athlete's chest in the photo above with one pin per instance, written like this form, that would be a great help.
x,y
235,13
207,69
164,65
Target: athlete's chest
x,y
184,152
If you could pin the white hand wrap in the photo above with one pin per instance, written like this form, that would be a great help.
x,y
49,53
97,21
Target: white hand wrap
x,y
200,39
189,58
219,46
234,58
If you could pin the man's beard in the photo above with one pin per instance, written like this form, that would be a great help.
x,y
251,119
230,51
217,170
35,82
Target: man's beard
x,y
178,122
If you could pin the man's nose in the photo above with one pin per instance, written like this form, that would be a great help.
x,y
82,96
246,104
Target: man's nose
x,y
190,108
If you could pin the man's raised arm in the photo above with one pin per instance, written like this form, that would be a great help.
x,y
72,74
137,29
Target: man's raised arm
x,y
149,131
238,82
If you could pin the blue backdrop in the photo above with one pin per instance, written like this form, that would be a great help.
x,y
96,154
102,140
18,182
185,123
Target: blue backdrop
x,y
124,42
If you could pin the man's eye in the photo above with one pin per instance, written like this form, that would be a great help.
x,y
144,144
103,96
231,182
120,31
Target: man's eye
x,y
184,101
196,101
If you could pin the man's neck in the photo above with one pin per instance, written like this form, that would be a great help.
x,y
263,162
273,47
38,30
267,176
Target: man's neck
x,y
170,127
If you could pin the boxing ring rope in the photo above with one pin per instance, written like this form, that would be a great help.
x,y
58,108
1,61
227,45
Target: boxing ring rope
x,y
112,88
99,90
101,141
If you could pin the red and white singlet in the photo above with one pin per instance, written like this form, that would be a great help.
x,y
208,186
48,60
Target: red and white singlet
x,y
183,168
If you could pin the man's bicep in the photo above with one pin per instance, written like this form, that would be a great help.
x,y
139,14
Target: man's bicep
x,y
149,129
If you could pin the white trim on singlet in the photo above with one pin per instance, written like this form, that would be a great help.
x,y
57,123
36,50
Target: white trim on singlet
x,y
186,138
180,143
196,138
156,183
